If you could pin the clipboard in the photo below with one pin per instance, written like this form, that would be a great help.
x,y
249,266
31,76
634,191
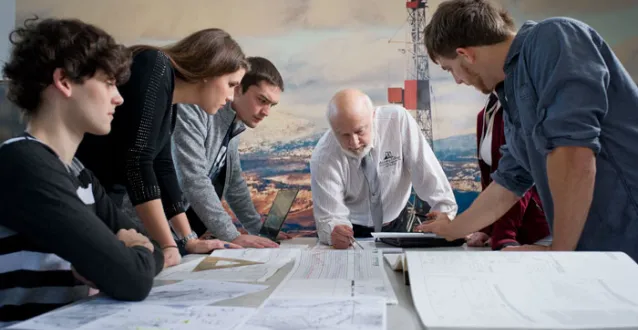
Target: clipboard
x,y
211,262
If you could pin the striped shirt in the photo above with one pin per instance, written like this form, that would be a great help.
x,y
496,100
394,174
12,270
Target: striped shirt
x,y
54,216
404,160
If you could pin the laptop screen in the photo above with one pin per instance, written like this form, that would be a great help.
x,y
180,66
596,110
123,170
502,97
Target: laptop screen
x,y
278,212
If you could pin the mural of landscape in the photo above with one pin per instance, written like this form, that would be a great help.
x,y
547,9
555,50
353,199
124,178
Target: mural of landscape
x,y
286,165
321,46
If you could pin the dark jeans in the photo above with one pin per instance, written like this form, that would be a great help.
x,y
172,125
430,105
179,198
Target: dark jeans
x,y
398,225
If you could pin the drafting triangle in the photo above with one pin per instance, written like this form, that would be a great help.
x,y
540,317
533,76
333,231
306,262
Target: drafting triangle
x,y
220,263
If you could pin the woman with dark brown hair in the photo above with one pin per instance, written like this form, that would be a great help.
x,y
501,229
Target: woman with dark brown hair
x,y
134,162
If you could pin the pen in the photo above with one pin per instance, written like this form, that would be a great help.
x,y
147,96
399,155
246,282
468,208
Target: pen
x,y
355,242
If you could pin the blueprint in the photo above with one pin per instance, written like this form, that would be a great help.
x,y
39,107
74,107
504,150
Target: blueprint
x,y
338,273
71,317
181,294
198,292
167,318
524,290
319,314
179,272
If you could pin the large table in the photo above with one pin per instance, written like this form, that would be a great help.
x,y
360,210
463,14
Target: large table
x,y
401,316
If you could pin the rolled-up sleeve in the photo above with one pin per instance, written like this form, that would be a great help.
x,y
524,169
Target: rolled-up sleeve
x,y
512,176
567,70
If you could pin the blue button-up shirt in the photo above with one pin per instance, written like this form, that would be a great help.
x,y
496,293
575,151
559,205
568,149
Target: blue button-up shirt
x,y
565,87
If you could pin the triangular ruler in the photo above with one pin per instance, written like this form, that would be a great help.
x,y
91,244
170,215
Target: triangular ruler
x,y
220,263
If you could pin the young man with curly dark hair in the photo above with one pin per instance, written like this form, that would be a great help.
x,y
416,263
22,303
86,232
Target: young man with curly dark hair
x,y
59,232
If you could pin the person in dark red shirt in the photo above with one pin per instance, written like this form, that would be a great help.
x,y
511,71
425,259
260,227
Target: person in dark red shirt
x,y
525,222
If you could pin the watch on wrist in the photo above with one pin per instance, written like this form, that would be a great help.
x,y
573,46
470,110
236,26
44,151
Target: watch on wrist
x,y
187,238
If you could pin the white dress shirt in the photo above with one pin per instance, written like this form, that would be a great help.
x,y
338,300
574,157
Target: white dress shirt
x,y
485,150
486,146
403,157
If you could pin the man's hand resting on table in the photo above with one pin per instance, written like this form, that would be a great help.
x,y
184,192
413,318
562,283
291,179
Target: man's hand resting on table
x,y
252,241
342,236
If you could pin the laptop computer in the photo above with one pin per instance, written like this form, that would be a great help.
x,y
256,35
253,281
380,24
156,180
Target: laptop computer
x,y
278,213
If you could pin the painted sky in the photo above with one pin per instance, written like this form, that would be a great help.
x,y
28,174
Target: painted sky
x,y
321,46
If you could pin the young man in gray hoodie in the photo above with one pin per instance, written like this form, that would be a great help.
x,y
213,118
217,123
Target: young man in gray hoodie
x,y
206,156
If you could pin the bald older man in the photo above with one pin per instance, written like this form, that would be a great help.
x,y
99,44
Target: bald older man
x,y
363,170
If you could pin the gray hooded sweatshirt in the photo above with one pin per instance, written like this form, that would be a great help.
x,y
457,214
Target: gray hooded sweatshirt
x,y
197,149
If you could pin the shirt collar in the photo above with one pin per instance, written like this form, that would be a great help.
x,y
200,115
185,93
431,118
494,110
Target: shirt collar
x,y
229,117
517,43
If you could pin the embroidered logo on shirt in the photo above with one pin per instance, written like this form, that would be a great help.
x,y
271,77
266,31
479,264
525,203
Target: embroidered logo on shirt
x,y
389,159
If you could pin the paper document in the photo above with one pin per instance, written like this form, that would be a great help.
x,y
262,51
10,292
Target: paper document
x,y
379,246
185,293
179,272
321,246
319,313
524,290
294,246
198,292
338,273
71,317
260,255
271,260
160,317
363,244
395,260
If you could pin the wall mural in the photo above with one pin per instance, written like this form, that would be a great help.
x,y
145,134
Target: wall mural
x,y
321,46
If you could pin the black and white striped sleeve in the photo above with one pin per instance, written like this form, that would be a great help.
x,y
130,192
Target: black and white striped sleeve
x,y
42,205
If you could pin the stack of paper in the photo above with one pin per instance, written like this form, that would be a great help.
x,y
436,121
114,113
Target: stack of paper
x,y
320,313
338,273
175,306
524,290
369,244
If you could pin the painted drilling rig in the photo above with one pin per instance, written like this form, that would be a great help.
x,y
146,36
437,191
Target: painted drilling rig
x,y
415,94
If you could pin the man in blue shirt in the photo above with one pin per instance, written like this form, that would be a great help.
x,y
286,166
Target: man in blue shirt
x,y
571,124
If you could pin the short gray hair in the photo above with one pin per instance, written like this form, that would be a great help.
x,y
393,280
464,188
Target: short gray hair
x,y
332,107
